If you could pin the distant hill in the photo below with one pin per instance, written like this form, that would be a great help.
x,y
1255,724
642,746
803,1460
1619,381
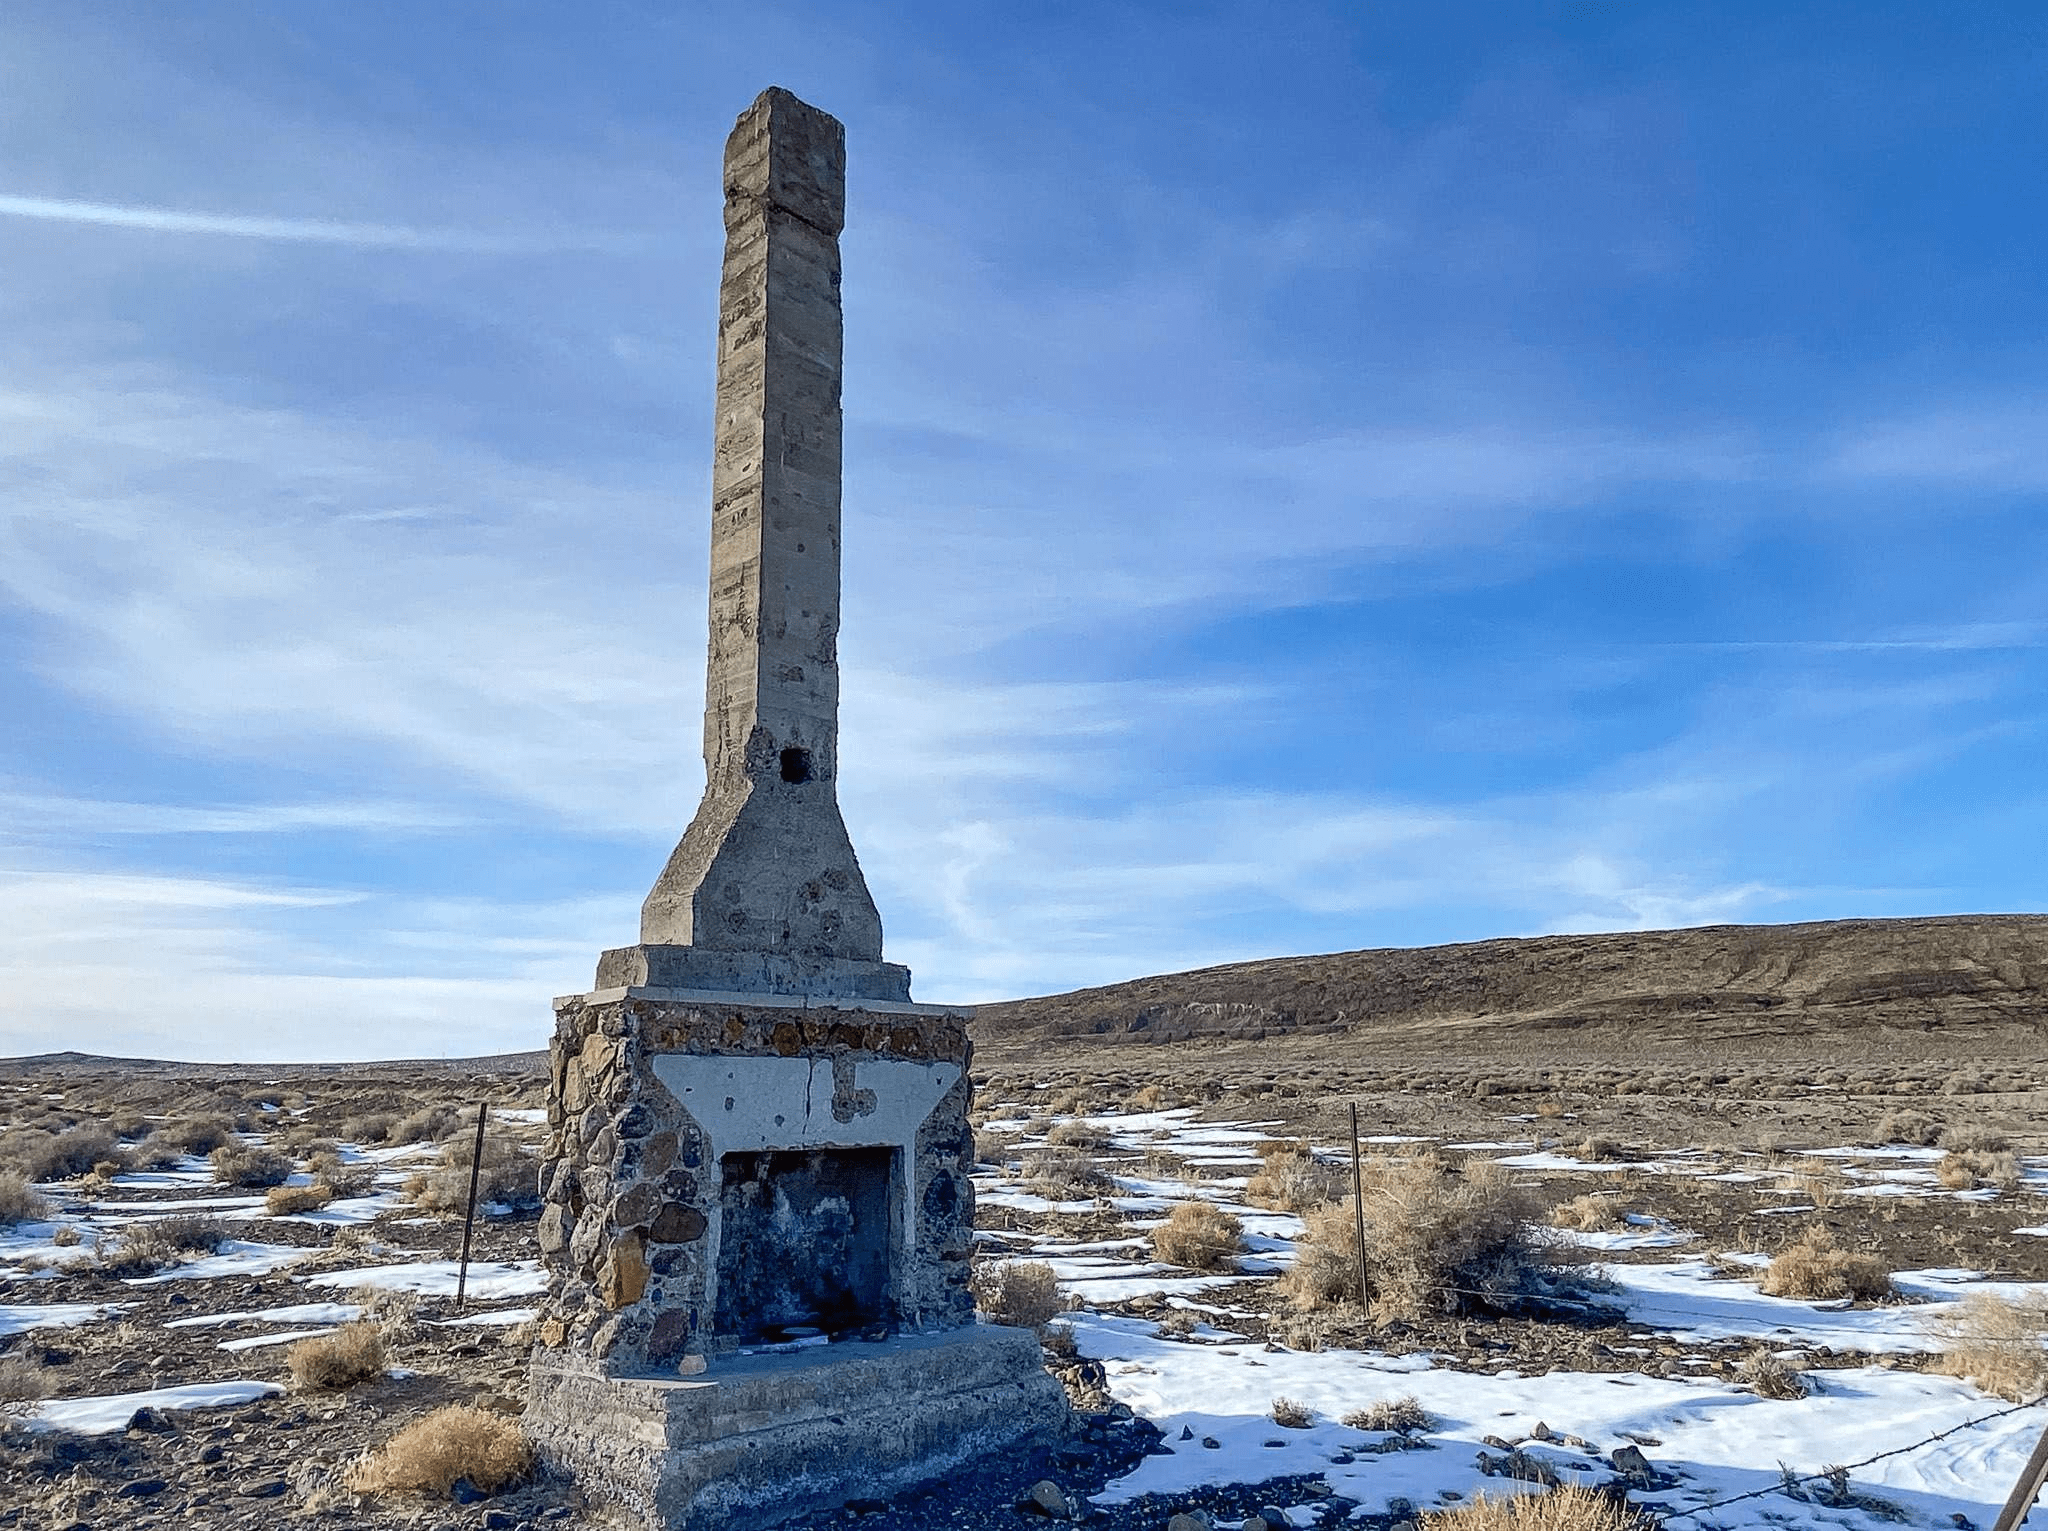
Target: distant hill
x,y
1716,983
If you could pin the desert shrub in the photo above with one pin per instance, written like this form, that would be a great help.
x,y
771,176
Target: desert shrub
x,y
1291,1413
149,1247
374,1128
1909,1126
1816,1270
23,1384
508,1177
1291,1182
284,1200
1999,1343
427,1125
992,1147
1436,1241
60,1155
1021,1292
1401,1415
19,1200
1770,1377
1178,1323
1984,1139
1078,1135
249,1165
342,1179
153,1153
457,1441
1061,1172
1199,1235
1972,1167
1587,1214
1566,1508
328,1362
195,1134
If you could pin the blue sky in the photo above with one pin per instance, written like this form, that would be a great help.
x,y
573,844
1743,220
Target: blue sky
x,y
1315,478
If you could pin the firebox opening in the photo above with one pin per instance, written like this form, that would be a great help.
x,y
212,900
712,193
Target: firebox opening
x,y
796,765
805,1242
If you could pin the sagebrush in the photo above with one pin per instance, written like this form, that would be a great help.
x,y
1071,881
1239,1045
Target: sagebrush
x,y
457,1441
1438,1240
1021,1292
328,1362
1816,1269
1200,1236
1999,1343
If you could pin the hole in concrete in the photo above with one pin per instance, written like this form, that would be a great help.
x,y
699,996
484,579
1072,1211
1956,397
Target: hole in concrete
x,y
806,1241
796,765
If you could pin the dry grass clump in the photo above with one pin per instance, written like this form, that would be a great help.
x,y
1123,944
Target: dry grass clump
x,y
1908,1126
1968,1168
342,1179
195,1134
1566,1508
284,1200
1291,1181
992,1147
1769,1377
1078,1135
372,1128
1401,1415
1999,1343
1062,1173
61,1155
1598,1150
1588,1214
1963,1139
507,1177
1199,1235
19,1200
429,1124
148,1247
1437,1240
457,1441
1292,1414
1021,1292
23,1384
249,1165
1816,1270
328,1362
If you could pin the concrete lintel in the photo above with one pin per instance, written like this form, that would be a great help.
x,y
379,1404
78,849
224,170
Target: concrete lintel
x,y
765,1001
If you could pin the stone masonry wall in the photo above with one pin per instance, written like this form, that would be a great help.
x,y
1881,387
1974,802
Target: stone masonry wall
x,y
630,1187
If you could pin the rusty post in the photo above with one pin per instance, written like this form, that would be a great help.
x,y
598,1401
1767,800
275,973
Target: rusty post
x,y
1358,1203
2032,1476
476,1164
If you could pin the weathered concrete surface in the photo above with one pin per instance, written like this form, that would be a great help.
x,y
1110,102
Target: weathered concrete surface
x,y
695,967
766,865
757,1440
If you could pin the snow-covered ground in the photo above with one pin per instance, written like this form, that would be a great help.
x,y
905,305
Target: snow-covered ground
x,y
105,1414
1212,1393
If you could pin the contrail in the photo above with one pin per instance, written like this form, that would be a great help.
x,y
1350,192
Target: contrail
x,y
379,236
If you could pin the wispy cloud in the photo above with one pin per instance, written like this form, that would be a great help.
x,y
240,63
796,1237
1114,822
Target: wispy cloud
x,y
362,236
39,815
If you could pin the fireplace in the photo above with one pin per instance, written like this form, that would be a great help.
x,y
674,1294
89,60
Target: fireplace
x,y
806,1244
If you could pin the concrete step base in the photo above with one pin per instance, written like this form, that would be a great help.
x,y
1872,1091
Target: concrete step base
x,y
756,1440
